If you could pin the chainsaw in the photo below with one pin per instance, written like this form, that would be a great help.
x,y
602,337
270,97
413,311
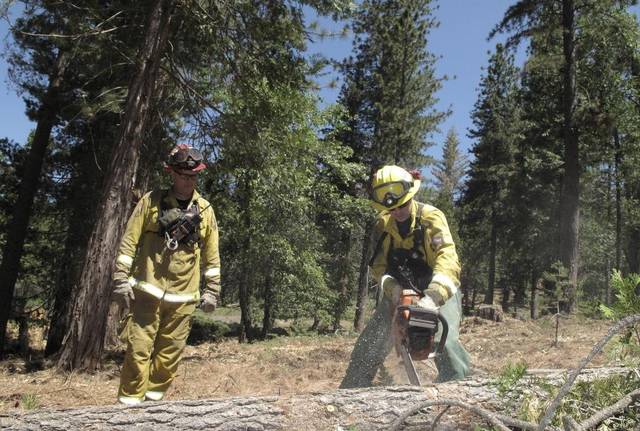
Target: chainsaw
x,y
420,327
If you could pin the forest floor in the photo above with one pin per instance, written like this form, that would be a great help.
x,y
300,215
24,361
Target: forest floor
x,y
300,364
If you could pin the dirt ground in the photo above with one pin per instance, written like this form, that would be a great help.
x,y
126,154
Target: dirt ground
x,y
300,364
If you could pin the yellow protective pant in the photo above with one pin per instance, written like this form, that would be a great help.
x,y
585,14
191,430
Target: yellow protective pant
x,y
157,335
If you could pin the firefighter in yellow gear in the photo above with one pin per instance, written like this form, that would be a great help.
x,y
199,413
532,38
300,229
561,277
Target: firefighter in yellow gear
x,y
416,237
171,237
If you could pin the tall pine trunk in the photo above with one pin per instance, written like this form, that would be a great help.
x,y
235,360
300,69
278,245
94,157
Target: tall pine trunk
x,y
148,165
363,277
345,268
244,291
533,303
618,199
87,178
14,246
83,345
493,241
269,304
570,196
633,249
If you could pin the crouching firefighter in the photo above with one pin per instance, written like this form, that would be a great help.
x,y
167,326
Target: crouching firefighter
x,y
170,238
413,249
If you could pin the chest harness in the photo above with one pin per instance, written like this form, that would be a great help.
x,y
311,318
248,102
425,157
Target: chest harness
x,y
408,266
179,225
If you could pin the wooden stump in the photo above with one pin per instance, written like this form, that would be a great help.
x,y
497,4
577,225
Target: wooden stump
x,y
490,312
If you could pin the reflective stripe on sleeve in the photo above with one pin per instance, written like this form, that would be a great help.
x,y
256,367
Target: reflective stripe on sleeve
x,y
157,292
446,281
125,260
212,272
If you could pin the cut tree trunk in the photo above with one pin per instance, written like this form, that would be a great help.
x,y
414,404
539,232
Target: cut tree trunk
x,y
363,409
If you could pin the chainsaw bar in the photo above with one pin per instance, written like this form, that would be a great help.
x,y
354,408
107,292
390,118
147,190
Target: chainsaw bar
x,y
409,366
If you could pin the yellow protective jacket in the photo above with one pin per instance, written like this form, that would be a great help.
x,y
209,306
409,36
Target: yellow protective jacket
x,y
439,249
170,275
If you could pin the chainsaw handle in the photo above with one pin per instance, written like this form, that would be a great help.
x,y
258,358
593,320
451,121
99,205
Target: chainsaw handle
x,y
445,332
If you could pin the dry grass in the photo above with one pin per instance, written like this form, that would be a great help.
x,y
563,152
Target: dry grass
x,y
287,365
494,345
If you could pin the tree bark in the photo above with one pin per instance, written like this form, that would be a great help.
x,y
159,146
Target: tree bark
x,y
269,302
493,245
520,291
244,290
363,278
618,199
534,294
147,168
345,268
633,249
570,196
82,217
14,246
363,409
83,345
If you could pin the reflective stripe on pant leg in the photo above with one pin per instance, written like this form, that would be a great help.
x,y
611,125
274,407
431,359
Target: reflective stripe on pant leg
x,y
371,348
142,332
129,401
154,395
454,362
170,342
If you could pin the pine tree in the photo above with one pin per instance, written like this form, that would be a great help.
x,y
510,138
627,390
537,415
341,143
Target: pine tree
x,y
448,173
390,84
83,344
496,122
565,32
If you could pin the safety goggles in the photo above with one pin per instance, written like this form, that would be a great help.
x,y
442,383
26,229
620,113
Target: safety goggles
x,y
389,194
186,158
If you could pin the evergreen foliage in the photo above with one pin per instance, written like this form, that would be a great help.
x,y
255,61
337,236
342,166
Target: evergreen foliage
x,y
288,180
390,83
497,122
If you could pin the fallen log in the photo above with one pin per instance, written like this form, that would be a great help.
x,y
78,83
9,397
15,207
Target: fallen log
x,y
373,408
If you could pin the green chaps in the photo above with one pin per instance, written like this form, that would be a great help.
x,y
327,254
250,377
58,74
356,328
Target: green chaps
x,y
374,344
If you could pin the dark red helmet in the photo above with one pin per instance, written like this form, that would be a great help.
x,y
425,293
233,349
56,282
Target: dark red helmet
x,y
185,157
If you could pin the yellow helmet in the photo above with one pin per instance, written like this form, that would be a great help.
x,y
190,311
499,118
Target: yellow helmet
x,y
392,186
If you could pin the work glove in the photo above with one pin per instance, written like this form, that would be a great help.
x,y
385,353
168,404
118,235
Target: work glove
x,y
433,298
208,302
428,303
123,293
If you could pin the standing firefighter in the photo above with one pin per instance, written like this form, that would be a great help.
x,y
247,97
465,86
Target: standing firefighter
x,y
413,245
169,237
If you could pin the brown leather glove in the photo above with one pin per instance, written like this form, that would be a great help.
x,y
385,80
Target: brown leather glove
x,y
208,302
122,293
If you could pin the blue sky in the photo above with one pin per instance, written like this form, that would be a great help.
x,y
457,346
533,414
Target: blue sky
x,y
460,41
